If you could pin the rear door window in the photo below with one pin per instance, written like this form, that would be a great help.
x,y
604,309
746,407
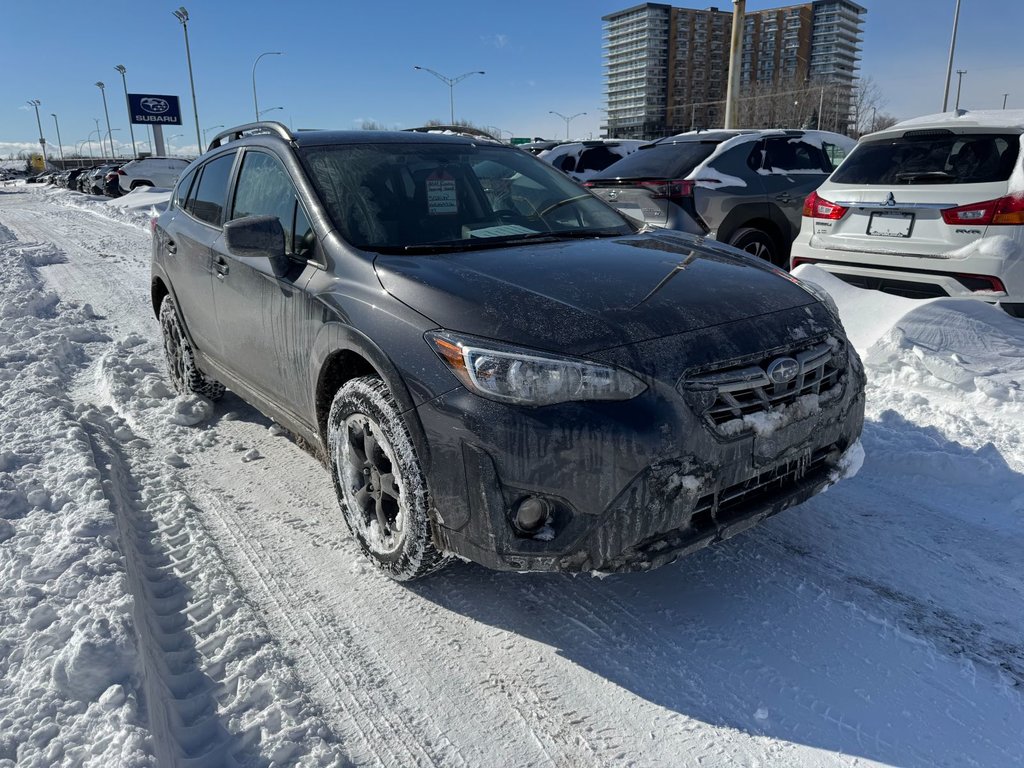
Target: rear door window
x,y
793,156
661,161
932,157
210,193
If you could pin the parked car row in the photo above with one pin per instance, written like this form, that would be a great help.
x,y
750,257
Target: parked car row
x,y
116,179
929,207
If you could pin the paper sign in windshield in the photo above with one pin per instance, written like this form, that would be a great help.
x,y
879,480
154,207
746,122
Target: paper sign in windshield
x,y
442,198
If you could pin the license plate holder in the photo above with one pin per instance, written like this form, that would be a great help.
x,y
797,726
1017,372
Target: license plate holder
x,y
890,224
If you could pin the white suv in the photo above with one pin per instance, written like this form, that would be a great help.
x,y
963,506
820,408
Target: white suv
x,y
930,207
150,172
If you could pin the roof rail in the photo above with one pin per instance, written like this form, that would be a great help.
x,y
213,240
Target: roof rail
x,y
255,129
460,130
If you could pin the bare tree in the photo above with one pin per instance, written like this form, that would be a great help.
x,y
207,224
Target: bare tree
x,y
867,100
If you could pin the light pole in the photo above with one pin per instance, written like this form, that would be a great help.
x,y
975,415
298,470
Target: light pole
x,y
34,103
264,111
175,136
960,80
255,103
1004,100
59,145
103,92
209,129
567,119
120,68
182,15
949,64
451,82
99,138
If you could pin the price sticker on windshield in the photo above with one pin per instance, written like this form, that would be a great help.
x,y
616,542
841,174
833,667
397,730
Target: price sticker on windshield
x,y
442,199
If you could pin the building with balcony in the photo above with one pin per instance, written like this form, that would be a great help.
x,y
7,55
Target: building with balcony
x,y
666,69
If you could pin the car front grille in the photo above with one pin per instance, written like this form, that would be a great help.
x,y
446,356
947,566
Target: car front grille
x,y
735,392
738,500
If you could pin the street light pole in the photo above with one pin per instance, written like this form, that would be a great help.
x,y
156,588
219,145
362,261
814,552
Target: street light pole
x,y
451,82
120,68
567,120
182,15
1004,100
175,136
209,129
960,79
264,111
60,146
110,137
42,141
255,103
949,64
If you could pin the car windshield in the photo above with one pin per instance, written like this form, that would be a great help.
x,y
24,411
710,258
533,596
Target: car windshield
x,y
417,196
931,157
661,161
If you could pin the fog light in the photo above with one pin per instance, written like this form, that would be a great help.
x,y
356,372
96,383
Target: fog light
x,y
532,514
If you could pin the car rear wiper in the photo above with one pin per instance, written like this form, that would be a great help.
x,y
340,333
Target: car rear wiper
x,y
926,176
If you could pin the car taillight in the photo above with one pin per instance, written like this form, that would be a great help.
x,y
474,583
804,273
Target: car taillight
x,y
817,207
120,172
1005,210
668,190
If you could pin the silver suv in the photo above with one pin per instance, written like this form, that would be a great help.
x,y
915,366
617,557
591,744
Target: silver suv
x,y
744,188
150,172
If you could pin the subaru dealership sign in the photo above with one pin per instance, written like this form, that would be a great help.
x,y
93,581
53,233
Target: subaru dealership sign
x,y
150,108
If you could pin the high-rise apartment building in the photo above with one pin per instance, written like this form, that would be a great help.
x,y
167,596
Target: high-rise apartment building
x,y
666,68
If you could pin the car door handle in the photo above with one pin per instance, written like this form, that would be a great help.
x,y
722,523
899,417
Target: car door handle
x,y
171,247
784,198
221,266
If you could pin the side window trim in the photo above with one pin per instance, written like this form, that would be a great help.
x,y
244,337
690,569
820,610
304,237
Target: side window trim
x,y
229,194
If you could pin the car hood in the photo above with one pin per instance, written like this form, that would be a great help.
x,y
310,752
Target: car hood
x,y
582,296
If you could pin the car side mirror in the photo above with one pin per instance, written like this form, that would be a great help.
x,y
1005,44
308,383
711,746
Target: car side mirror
x,y
258,237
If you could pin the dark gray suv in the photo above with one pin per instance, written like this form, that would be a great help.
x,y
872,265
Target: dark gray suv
x,y
745,188
494,363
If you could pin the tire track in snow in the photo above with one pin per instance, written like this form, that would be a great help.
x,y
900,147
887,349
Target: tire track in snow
x,y
212,681
391,732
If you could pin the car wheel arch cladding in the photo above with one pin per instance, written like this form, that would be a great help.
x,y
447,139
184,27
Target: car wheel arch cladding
x,y
753,216
340,354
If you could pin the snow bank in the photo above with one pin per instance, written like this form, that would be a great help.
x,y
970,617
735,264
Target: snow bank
x,y
940,362
69,687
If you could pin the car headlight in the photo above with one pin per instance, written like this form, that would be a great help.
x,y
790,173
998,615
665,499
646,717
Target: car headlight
x,y
525,377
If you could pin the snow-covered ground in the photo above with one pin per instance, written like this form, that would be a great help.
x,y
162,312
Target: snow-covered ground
x,y
177,588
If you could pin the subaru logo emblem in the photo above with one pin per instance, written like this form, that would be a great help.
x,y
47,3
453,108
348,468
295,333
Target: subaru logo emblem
x,y
154,105
783,370
890,201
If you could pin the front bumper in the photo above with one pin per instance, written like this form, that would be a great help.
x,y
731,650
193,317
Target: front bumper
x,y
632,485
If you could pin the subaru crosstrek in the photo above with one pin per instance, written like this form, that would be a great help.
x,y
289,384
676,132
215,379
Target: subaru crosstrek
x,y
493,362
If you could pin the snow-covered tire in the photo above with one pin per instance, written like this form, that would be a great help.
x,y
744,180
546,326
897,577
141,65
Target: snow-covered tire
x,y
379,481
757,243
181,364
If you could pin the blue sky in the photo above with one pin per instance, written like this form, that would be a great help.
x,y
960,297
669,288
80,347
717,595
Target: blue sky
x,y
345,62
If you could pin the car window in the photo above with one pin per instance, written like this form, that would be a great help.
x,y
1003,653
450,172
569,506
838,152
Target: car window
x,y
661,161
834,154
181,191
791,154
207,200
932,157
598,158
265,189
400,196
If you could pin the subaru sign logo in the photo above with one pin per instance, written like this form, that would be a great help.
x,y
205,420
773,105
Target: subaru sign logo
x,y
783,370
154,105
154,108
